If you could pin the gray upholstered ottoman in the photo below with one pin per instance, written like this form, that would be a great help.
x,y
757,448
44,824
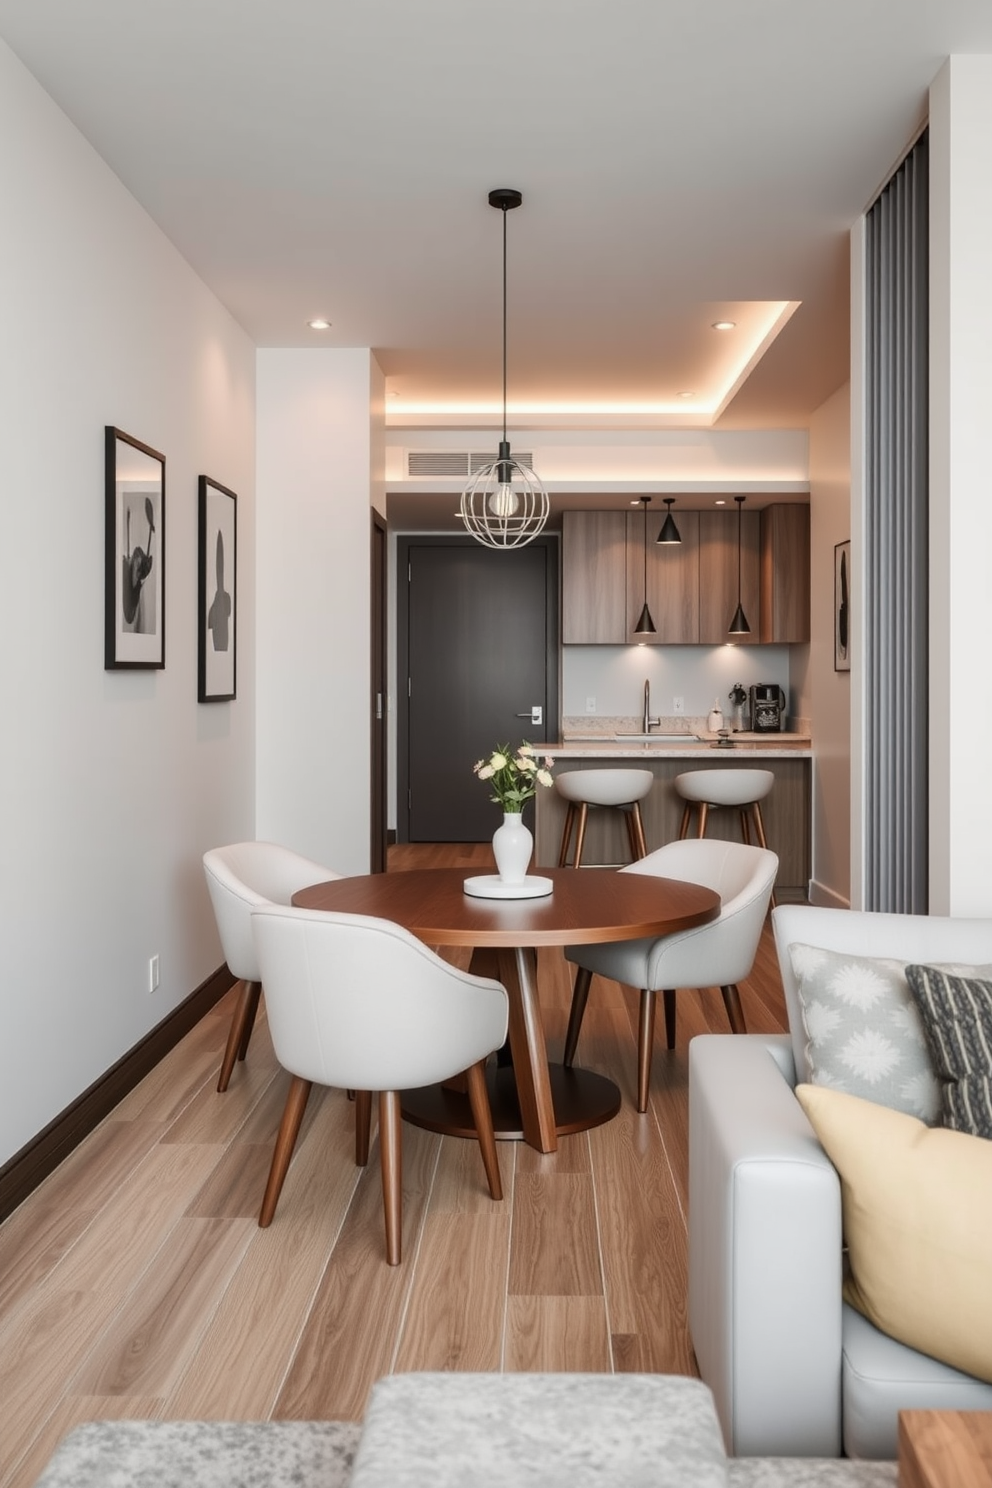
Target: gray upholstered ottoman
x,y
204,1454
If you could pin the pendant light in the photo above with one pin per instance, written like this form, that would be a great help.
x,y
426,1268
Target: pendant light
x,y
739,625
669,532
645,625
504,505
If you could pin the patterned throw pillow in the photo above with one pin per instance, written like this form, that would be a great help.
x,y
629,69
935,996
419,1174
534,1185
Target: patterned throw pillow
x,y
864,1034
957,1019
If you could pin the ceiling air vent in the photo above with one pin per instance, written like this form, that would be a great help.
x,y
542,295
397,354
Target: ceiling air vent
x,y
458,464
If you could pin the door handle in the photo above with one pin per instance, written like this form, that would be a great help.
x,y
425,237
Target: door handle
x,y
535,715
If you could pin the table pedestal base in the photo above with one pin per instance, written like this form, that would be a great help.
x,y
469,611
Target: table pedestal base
x,y
581,1099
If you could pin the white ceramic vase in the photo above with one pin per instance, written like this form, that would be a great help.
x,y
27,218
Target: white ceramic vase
x,y
512,845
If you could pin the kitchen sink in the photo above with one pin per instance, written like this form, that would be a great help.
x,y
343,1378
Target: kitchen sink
x,y
681,738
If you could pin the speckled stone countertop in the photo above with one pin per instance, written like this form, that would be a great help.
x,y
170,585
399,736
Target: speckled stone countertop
x,y
595,738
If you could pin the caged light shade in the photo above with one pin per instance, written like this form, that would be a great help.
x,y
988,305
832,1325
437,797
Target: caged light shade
x,y
504,505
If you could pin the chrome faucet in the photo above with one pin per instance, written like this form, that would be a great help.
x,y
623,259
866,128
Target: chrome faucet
x,y
648,722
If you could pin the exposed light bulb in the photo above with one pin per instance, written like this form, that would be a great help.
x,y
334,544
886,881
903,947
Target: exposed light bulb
x,y
504,501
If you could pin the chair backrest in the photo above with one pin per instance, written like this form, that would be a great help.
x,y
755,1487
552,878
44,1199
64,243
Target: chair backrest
x,y
359,1002
900,937
244,876
722,952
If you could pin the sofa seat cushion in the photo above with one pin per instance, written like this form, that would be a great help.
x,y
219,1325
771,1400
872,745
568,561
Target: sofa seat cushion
x,y
882,1377
917,1212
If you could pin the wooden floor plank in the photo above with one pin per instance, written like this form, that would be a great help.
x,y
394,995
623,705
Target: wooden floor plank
x,y
557,1333
554,1251
454,1317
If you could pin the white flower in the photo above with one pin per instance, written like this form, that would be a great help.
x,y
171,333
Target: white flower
x,y
485,771
820,1021
544,777
497,762
870,1055
548,762
526,763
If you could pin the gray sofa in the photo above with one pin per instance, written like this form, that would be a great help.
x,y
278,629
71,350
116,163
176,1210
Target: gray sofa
x,y
794,1371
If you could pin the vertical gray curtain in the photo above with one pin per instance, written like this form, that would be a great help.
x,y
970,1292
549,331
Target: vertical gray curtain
x,y
895,542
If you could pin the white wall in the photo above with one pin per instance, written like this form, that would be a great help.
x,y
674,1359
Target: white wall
x,y
112,784
319,466
825,695
960,508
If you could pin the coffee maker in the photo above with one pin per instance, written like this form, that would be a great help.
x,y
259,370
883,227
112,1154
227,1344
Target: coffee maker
x,y
767,708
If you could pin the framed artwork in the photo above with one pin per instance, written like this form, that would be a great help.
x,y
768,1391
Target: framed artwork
x,y
842,607
217,593
134,603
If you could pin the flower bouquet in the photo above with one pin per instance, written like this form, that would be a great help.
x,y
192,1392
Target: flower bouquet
x,y
513,779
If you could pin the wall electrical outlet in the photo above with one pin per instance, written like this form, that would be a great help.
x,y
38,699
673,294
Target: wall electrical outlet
x,y
152,973
678,704
590,705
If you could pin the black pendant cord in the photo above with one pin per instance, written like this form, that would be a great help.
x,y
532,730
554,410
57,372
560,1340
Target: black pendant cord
x,y
740,508
504,325
645,552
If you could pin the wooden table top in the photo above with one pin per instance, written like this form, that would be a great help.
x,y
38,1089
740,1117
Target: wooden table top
x,y
586,906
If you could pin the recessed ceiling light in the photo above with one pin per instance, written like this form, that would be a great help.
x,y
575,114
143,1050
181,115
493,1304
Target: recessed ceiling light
x,y
724,325
319,324
719,501
687,395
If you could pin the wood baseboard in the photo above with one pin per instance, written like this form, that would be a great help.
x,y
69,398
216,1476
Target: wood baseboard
x,y
26,1169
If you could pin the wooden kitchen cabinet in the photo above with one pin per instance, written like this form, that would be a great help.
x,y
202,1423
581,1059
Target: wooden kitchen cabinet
x,y
673,579
718,574
785,560
594,578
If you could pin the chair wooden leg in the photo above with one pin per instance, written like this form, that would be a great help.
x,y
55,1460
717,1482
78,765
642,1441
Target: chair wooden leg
x,y
482,1115
391,1157
759,827
289,1130
580,833
638,825
669,996
686,818
732,1002
580,996
645,1047
704,812
239,1032
363,1126
566,835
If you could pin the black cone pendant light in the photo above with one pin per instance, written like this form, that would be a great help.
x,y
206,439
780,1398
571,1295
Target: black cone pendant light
x,y
739,625
669,532
645,625
504,505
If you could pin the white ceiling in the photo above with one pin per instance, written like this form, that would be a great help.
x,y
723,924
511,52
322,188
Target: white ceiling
x,y
676,157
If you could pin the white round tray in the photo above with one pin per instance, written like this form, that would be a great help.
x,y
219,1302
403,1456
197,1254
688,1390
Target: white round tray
x,y
491,886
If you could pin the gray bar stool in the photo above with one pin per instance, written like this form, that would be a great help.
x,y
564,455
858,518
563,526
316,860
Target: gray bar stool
x,y
621,789
703,790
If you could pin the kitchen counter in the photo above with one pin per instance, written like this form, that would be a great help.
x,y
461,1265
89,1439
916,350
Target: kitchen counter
x,y
786,810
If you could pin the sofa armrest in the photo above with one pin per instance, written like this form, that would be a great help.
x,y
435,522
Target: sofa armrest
x,y
764,1252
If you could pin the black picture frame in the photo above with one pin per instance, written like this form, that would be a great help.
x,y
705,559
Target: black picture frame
x,y
134,578
217,593
842,606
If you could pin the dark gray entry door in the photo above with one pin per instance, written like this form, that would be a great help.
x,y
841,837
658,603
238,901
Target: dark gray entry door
x,y
482,647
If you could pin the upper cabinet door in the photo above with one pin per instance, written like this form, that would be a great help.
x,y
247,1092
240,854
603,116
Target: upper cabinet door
x,y
718,574
673,579
785,563
594,600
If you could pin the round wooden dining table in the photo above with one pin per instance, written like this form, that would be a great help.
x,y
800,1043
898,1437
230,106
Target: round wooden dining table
x,y
531,1098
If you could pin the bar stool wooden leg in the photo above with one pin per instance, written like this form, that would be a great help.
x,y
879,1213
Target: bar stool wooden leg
x,y
686,818
759,827
745,826
704,812
580,833
566,835
628,816
638,825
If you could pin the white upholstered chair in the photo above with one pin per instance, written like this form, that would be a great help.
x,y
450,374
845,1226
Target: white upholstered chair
x,y
358,1002
719,954
242,877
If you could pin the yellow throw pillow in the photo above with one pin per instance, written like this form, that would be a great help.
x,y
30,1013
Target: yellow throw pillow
x,y
917,1206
